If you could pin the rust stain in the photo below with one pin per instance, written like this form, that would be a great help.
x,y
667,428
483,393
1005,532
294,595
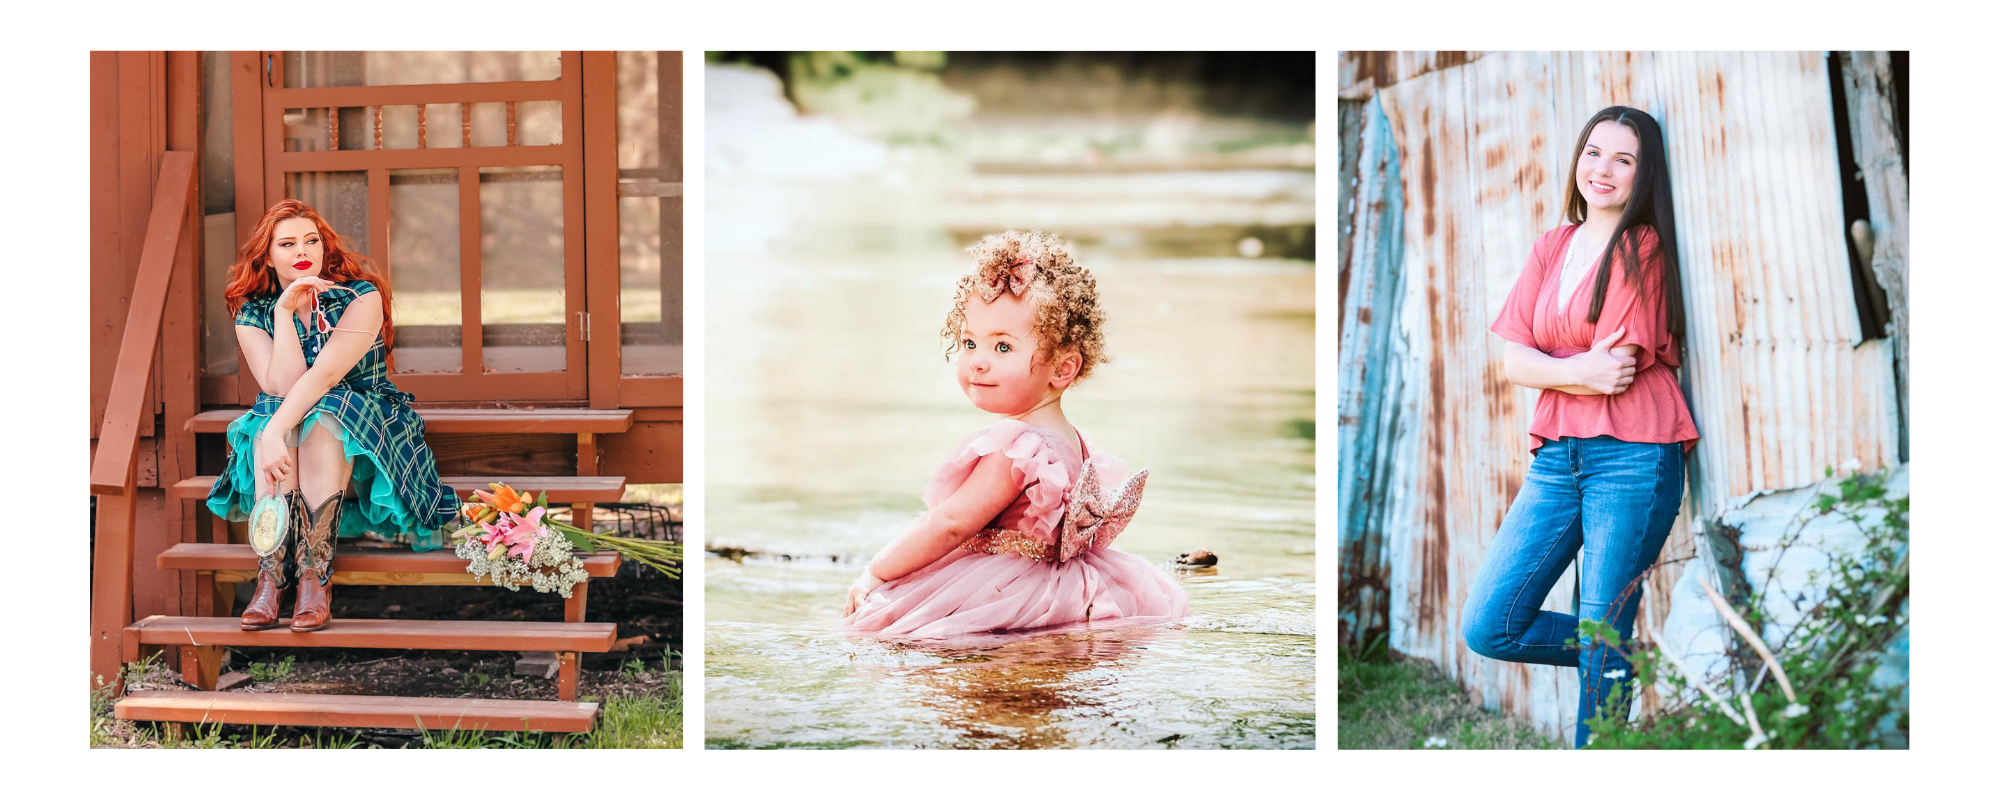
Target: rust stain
x,y
1732,265
1429,174
1365,316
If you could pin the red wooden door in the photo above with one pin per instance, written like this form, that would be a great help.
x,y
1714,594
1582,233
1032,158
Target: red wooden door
x,y
462,176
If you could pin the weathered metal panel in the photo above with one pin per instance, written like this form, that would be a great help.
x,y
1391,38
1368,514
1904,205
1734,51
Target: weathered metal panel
x,y
1871,113
1780,384
1371,288
1363,72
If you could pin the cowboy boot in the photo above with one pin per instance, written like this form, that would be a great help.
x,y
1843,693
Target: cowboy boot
x,y
316,539
274,572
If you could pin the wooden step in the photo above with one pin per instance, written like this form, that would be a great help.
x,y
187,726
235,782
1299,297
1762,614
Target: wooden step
x,y
562,489
473,420
389,634
357,711
363,566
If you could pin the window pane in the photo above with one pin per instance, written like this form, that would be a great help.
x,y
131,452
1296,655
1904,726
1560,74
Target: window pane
x,y
341,198
313,69
649,297
535,123
440,126
638,110
649,213
522,307
424,270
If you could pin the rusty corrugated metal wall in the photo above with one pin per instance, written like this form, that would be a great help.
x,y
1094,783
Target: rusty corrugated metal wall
x,y
1780,382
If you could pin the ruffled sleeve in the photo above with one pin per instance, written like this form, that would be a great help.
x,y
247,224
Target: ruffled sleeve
x,y
1516,322
1640,310
1037,469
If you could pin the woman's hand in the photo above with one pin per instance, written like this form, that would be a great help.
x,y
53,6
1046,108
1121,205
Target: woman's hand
x,y
1601,370
274,458
301,293
859,591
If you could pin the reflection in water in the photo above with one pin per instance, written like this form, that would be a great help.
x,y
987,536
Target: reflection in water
x,y
829,405
1017,690
1237,673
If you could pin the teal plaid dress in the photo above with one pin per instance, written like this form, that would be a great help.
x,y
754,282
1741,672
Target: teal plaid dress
x,y
398,497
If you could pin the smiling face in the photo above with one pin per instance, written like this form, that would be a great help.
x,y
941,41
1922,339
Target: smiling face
x,y
1608,166
1000,366
296,250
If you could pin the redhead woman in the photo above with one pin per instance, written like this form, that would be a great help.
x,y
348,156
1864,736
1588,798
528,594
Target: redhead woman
x,y
1595,322
314,326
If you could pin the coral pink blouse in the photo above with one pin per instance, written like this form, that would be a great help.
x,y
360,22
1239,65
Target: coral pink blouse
x,y
1652,408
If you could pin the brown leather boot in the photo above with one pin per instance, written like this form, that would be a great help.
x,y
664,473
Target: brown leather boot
x,y
274,572
316,538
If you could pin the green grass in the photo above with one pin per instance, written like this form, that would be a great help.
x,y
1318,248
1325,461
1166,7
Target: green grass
x,y
1392,703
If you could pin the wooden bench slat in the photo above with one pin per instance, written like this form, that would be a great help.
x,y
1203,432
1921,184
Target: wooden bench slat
x,y
396,634
562,489
192,555
357,711
473,420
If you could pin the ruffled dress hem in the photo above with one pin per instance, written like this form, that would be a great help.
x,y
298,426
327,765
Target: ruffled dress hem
x,y
383,517
971,591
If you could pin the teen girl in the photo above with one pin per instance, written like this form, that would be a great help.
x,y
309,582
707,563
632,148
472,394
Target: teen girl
x,y
313,323
1595,322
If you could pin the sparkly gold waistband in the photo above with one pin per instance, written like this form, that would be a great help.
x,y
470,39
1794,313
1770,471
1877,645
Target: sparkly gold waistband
x,y
1013,542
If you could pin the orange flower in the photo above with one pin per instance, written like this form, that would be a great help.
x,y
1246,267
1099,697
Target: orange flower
x,y
503,497
507,499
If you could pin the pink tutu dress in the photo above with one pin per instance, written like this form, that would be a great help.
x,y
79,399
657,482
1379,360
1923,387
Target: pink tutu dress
x,y
1045,561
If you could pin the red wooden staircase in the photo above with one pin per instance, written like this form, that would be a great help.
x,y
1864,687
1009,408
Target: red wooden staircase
x,y
217,565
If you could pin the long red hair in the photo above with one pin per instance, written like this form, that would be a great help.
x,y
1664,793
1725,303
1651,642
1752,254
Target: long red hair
x,y
252,276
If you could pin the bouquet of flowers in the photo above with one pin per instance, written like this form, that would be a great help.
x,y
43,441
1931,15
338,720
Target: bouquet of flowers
x,y
511,540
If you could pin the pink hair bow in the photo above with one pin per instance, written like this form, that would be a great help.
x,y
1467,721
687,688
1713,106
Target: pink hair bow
x,y
1014,278
1094,517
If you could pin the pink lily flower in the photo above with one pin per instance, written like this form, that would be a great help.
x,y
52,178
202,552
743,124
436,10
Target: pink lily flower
x,y
526,530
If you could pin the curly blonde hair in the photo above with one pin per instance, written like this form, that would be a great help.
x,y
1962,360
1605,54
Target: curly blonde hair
x,y
1067,315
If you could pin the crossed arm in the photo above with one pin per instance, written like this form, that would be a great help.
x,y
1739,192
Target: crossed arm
x,y
985,493
277,362
1598,371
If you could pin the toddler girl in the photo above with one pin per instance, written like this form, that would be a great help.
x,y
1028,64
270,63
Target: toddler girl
x,y
1022,514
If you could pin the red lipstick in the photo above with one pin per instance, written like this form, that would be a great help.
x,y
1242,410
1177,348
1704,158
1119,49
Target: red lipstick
x,y
302,265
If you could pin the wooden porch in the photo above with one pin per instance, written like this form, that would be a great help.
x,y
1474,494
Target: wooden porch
x,y
163,569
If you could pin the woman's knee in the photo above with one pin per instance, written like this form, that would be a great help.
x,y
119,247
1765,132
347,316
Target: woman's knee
x,y
321,446
1484,630
323,465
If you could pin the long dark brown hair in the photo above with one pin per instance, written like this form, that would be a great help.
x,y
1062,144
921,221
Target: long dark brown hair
x,y
1651,204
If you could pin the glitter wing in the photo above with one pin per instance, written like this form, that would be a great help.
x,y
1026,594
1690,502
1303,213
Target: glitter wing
x,y
1095,517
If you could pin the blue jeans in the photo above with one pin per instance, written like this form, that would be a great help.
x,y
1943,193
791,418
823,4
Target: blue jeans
x,y
1609,504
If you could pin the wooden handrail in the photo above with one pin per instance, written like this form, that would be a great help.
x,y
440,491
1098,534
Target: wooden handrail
x,y
114,473
118,438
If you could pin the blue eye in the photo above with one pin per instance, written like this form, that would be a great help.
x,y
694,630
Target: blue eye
x,y
1003,347
969,345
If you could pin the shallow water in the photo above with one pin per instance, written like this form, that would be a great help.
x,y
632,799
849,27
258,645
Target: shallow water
x,y
830,403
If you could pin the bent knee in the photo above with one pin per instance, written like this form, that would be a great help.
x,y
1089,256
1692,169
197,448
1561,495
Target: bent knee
x,y
322,441
1485,633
